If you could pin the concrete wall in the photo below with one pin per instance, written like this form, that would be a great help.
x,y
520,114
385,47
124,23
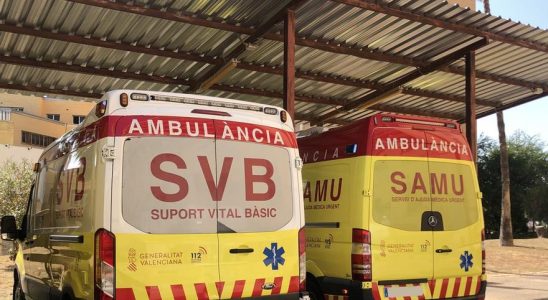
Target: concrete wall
x,y
18,153
7,136
39,106
34,116
66,109
25,122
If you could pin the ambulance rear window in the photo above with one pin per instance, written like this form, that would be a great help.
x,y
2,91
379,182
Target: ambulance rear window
x,y
404,189
199,185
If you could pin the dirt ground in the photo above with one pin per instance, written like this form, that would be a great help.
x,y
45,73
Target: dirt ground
x,y
6,272
527,257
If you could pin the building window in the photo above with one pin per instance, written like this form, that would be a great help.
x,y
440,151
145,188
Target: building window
x,y
5,112
36,139
54,117
78,119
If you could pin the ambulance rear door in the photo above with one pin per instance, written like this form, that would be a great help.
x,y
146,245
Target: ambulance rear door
x,y
258,210
455,218
166,224
401,245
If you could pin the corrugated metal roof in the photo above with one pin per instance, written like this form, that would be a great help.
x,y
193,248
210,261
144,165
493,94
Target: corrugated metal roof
x,y
368,49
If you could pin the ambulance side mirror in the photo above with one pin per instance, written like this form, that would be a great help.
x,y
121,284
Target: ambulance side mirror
x,y
8,228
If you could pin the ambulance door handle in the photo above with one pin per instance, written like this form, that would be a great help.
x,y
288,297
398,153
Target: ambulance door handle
x,y
241,250
443,250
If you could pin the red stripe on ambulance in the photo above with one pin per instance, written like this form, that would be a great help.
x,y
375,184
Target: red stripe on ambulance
x,y
294,284
258,288
277,285
125,293
201,291
203,128
456,287
178,292
444,285
112,126
468,286
220,286
238,289
153,293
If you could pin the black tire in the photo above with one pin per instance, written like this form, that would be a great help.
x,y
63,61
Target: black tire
x,y
314,290
18,293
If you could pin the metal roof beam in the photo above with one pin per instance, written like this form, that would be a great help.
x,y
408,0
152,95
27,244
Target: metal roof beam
x,y
92,95
221,70
315,43
98,42
45,90
172,15
358,83
396,85
331,101
299,116
401,12
276,70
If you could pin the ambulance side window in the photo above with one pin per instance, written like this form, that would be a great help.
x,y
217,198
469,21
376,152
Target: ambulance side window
x,y
25,221
40,209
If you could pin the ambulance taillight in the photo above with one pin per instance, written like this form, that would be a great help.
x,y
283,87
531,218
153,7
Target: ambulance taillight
x,y
483,251
104,265
302,260
361,255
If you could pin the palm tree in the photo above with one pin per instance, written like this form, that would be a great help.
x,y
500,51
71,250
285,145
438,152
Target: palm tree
x,y
506,235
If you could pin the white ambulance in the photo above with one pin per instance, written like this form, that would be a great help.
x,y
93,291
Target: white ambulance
x,y
166,196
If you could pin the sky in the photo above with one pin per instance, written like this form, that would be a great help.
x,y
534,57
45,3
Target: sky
x,y
532,117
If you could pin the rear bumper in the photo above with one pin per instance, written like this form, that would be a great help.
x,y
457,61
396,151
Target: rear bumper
x,y
335,287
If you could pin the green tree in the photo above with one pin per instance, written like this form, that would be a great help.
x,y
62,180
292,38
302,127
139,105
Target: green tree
x,y
528,164
15,182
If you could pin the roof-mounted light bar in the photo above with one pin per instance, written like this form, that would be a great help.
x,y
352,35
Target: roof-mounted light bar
x,y
414,121
206,102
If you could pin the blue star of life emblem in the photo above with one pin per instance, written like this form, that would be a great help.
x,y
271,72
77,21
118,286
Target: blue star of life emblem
x,y
274,256
466,261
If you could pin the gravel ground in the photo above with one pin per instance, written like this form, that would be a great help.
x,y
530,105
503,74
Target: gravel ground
x,y
6,271
528,257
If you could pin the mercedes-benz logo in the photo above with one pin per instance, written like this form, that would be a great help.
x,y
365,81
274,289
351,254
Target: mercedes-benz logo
x,y
432,221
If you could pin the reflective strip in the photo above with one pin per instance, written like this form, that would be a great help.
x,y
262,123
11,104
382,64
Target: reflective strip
x,y
153,293
220,286
468,286
238,289
444,284
125,293
277,285
201,291
456,287
376,293
258,288
293,284
178,292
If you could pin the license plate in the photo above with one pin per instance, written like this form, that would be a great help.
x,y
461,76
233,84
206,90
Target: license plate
x,y
403,291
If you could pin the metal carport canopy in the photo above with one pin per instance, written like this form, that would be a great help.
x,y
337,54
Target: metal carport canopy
x,y
352,57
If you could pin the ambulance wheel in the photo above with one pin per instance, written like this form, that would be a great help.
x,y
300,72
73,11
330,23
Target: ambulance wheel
x,y
17,289
313,289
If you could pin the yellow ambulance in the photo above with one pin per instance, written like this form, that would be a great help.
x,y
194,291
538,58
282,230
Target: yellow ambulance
x,y
166,196
393,211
